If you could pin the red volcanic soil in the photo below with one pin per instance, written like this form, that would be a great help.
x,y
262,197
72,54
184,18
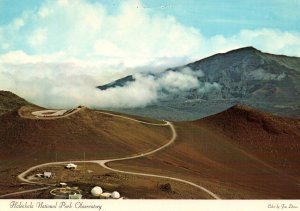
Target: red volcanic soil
x,y
26,141
239,153
273,139
100,136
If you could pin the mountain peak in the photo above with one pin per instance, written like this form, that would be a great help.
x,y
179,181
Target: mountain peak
x,y
248,112
246,75
238,54
240,117
248,49
242,110
242,107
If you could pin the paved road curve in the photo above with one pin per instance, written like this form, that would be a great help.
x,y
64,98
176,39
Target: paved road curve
x,y
104,163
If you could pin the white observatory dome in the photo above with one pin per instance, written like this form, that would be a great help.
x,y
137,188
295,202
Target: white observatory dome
x,y
96,191
115,195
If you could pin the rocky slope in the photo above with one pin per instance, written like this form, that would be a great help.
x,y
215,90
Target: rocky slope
x,y
247,76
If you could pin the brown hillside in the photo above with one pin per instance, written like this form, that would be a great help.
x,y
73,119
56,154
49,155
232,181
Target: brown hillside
x,y
99,135
10,101
272,138
239,153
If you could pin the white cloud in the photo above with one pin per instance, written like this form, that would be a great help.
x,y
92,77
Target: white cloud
x,y
147,89
268,40
44,12
84,30
18,23
182,80
142,92
173,81
261,74
20,57
63,2
108,49
56,56
38,37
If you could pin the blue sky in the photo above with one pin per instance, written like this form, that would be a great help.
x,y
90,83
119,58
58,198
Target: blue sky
x,y
215,23
55,52
210,17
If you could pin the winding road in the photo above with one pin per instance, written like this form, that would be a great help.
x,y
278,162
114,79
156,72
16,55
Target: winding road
x,y
103,163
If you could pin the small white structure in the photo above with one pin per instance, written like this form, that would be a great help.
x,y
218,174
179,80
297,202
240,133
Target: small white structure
x,y
62,184
47,174
75,196
71,166
105,195
115,195
96,191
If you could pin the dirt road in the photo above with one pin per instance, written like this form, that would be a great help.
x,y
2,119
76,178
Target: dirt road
x,y
104,163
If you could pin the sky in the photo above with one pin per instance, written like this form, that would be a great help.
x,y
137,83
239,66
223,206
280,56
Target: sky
x,y
210,17
54,52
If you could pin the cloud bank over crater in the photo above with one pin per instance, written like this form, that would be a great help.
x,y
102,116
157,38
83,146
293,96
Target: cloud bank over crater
x,y
56,55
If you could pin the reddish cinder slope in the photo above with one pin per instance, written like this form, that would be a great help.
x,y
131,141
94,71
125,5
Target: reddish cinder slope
x,y
273,139
32,140
239,153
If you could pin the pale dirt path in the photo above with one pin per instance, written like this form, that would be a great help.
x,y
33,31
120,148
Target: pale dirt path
x,y
104,163
135,120
56,114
